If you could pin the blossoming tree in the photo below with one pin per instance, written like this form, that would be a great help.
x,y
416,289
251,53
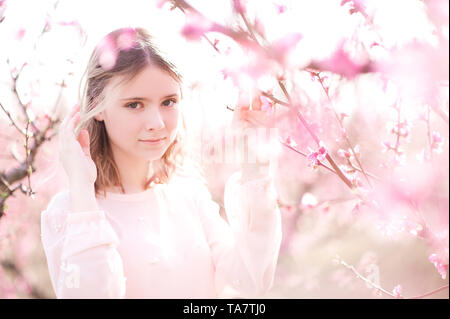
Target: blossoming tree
x,y
358,93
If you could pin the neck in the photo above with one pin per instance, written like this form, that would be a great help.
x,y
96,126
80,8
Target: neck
x,y
134,173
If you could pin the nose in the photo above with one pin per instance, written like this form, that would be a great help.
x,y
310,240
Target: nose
x,y
154,120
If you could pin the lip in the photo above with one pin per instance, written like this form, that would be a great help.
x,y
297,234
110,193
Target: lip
x,y
156,141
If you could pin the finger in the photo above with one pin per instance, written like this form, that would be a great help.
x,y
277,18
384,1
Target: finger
x,y
75,109
254,118
72,122
239,120
83,139
69,116
265,117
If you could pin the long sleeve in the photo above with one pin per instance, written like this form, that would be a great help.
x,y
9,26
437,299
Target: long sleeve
x,y
245,251
81,253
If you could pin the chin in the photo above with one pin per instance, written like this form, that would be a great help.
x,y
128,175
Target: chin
x,y
153,157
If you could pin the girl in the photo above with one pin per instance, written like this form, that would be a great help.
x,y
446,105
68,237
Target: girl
x,y
132,224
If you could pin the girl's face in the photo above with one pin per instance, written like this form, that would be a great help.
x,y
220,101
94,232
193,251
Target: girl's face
x,y
145,108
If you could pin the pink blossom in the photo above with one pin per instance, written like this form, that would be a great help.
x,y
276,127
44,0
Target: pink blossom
x,y
416,69
312,160
315,157
73,23
437,142
386,146
439,264
196,27
422,116
436,137
341,63
322,153
160,3
280,8
400,157
357,6
324,80
126,39
20,34
417,231
282,47
343,115
397,291
107,53
258,66
216,42
226,73
2,9
356,209
266,104
259,27
343,153
402,128
289,141
314,75
326,208
438,11
192,31
239,6
308,201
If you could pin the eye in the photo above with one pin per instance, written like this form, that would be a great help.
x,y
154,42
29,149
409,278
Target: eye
x,y
168,101
132,105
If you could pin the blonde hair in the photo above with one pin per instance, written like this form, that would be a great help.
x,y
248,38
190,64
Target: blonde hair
x,y
132,49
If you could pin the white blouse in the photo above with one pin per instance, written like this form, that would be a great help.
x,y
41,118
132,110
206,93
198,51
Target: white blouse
x,y
166,242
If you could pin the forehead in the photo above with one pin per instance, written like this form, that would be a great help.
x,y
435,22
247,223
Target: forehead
x,y
151,81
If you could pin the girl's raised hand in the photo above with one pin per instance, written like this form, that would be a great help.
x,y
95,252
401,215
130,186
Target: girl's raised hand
x,y
255,116
74,152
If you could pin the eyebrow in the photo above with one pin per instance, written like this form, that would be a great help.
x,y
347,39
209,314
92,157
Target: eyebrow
x,y
145,99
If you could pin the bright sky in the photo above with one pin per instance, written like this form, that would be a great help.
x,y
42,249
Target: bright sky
x,y
323,24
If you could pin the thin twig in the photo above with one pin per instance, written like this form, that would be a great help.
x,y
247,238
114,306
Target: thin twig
x,y
316,139
368,174
15,79
441,114
270,96
342,128
12,120
183,6
243,39
430,293
353,269
249,27
27,153
379,288
303,154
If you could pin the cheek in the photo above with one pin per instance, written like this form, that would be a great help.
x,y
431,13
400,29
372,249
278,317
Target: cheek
x,y
118,130
171,121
